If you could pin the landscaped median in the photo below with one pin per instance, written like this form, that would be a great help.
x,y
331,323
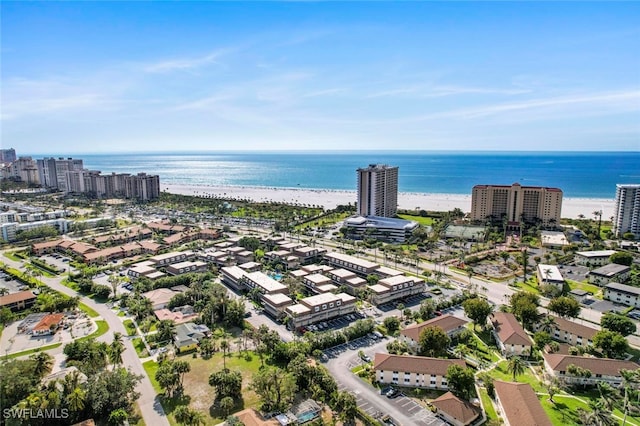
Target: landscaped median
x,y
33,351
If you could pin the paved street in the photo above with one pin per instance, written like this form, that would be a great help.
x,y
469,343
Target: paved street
x,y
149,403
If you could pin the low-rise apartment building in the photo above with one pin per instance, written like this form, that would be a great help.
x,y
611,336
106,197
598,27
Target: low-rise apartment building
x,y
321,307
189,266
456,411
232,276
550,275
519,405
602,369
171,257
145,269
622,293
570,332
448,323
18,301
609,273
593,257
395,288
413,371
275,304
359,266
511,338
262,283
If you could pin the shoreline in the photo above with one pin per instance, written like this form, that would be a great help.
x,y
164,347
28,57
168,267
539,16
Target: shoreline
x,y
330,198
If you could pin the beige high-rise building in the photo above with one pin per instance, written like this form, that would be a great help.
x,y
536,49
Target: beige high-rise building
x,y
378,190
516,203
627,210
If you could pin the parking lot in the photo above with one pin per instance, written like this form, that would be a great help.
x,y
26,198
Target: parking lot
x,y
58,261
334,324
10,284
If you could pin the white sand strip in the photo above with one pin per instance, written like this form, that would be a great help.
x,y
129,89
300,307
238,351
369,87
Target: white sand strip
x,y
571,207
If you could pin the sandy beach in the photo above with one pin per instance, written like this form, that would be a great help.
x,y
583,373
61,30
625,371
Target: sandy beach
x,y
571,207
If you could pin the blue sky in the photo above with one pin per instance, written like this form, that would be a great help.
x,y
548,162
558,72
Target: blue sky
x,y
139,76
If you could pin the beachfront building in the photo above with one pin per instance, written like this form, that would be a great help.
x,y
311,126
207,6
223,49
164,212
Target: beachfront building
x,y
447,323
321,307
394,288
519,405
413,371
509,334
550,275
378,190
569,332
387,229
593,257
609,273
622,293
627,210
516,204
602,369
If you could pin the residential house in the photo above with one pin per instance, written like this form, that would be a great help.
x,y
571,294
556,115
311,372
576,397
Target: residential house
x,y
160,297
448,323
178,315
601,369
413,371
519,405
188,336
509,334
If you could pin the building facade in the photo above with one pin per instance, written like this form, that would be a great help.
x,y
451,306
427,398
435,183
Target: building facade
x,y
627,210
413,371
378,190
516,204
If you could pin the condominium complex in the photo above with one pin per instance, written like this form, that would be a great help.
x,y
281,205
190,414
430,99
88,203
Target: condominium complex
x,y
516,204
7,155
378,190
627,210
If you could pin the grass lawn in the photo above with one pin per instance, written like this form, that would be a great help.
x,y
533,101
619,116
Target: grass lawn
x,y
427,221
199,394
34,351
130,326
500,372
87,310
103,327
594,289
488,405
12,255
564,411
140,348
121,313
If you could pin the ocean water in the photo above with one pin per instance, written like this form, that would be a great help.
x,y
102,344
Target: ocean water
x,y
578,174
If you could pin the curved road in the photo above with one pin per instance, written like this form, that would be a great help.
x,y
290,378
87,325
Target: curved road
x,y
149,402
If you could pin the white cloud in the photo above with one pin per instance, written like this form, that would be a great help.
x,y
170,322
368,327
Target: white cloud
x,y
184,64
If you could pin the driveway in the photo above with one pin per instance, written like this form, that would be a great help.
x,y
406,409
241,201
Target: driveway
x,y
402,409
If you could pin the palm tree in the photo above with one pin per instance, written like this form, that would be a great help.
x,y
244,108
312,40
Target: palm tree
x,y
76,399
608,394
43,362
598,416
116,348
224,346
548,324
629,379
516,366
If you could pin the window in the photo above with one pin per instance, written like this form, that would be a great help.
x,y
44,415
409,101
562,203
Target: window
x,y
324,306
338,303
331,305
406,379
316,309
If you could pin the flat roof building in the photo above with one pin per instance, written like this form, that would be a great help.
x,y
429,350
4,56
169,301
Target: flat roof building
x,y
321,307
378,190
381,228
627,210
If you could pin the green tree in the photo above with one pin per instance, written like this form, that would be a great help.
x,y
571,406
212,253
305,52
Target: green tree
x,y
516,366
111,390
118,417
564,306
6,316
347,406
116,348
226,405
226,383
392,324
618,323
478,310
166,331
433,342
42,363
461,381
524,306
611,343
621,258
427,309
276,388
541,339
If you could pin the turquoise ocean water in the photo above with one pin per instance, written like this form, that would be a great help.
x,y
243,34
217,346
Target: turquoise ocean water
x,y
578,174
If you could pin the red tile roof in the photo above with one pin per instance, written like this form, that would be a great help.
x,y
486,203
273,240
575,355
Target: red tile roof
x,y
20,296
604,366
414,364
520,404
456,408
446,322
509,329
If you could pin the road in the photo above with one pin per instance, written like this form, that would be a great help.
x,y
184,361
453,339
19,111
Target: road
x,y
149,403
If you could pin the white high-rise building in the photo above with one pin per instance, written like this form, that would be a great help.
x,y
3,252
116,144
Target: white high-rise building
x,y
378,190
627,210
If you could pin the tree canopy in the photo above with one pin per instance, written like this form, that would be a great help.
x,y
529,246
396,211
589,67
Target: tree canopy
x,y
433,342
